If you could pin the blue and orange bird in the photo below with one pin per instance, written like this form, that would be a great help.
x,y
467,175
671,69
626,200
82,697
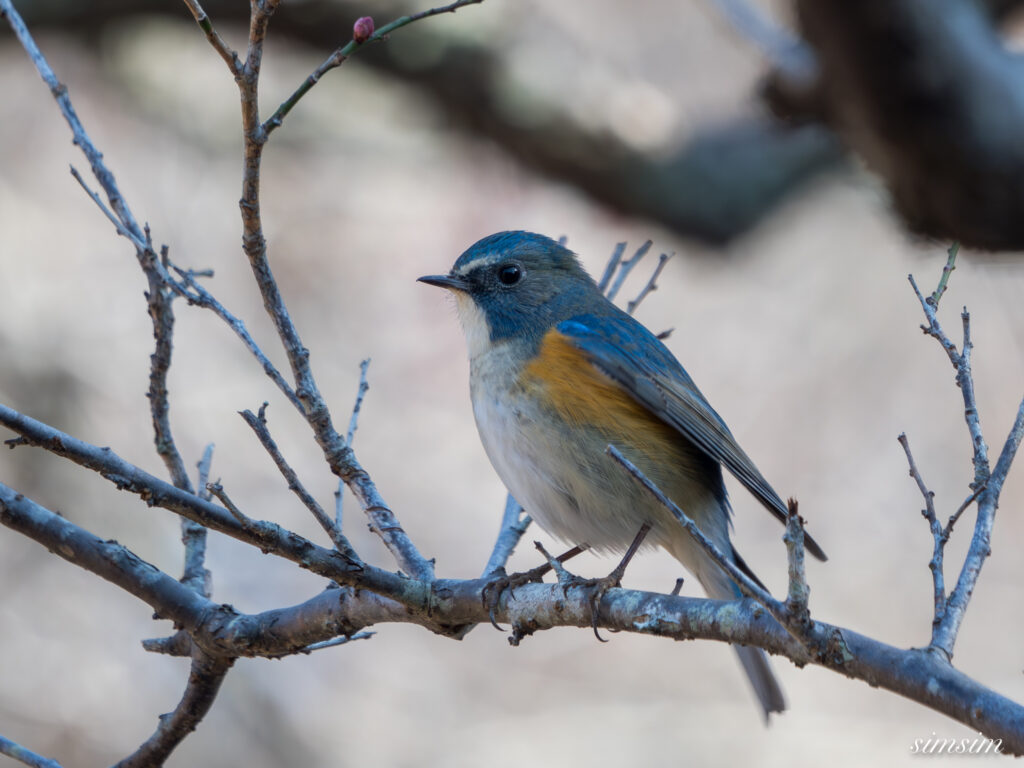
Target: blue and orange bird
x,y
557,373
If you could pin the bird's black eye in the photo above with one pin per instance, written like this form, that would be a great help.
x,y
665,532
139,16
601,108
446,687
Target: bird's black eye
x,y
510,274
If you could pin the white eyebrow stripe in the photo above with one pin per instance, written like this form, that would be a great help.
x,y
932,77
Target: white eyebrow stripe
x,y
483,261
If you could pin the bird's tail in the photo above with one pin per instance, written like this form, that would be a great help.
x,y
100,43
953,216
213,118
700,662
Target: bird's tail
x,y
755,661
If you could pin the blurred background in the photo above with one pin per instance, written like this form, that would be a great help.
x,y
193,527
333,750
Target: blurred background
x,y
600,121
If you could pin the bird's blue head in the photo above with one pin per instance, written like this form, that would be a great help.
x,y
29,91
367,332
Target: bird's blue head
x,y
517,285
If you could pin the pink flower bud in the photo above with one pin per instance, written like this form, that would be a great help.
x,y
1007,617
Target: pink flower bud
x,y
362,29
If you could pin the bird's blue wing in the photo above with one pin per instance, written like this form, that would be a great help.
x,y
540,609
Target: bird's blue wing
x,y
633,357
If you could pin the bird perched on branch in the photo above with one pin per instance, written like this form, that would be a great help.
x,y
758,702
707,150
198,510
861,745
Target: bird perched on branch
x,y
558,373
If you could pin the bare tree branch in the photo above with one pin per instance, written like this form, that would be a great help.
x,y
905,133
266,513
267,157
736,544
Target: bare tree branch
x,y
918,674
214,635
986,485
338,453
267,536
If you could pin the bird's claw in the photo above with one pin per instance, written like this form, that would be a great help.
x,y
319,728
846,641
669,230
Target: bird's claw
x,y
597,589
491,594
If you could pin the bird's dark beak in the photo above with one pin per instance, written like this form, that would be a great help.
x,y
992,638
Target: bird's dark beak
x,y
450,282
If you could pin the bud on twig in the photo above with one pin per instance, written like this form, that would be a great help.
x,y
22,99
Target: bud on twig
x,y
362,29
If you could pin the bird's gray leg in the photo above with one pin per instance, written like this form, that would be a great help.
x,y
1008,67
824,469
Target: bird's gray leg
x,y
598,587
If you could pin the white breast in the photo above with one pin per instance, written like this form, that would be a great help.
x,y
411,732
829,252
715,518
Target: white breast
x,y
474,324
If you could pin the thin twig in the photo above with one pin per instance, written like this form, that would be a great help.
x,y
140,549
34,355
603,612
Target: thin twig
x,y
333,642
121,228
939,536
625,268
259,426
193,535
777,44
201,297
947,270
80,136
513,525
799,591
1006,456
948,530
961,362
27,756
611,266
562,573
222,48
342,54
243,519
161,311
159,299
353,422
747,586
339,506
179,644
652,284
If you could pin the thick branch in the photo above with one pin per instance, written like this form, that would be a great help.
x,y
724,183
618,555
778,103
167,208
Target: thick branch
x,y
930,96
109,560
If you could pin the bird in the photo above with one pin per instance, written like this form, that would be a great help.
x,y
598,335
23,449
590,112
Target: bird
x,y
557,374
